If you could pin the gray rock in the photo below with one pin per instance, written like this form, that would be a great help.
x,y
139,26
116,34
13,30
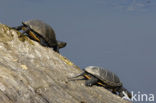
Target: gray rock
x,y
31,73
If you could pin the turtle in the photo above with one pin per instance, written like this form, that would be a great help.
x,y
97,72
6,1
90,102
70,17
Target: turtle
x,y
95,75
41,32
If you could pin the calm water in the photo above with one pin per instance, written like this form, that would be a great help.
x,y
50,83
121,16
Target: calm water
x,y
116,34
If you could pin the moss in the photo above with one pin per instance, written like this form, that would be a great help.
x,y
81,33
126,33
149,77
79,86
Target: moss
x,y
67,61
25,38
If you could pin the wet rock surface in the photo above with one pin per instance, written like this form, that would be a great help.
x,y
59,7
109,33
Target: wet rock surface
x,y
31,73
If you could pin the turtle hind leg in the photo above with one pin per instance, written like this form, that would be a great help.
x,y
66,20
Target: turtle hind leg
x,y
92,81
114,91
56,48
42,41
18,27
124,93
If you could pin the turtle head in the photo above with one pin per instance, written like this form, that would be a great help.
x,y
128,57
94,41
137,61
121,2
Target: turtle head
x,y
125,93
61,44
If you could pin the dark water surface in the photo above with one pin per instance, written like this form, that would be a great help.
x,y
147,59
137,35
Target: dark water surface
x,y
116,34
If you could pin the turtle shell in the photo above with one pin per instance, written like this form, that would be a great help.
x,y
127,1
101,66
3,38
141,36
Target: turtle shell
x,y
104,75
44,30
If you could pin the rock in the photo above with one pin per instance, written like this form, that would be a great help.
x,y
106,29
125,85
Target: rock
x,y
31,73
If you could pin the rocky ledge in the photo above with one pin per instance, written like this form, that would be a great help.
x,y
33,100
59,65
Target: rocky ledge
x,y
31,73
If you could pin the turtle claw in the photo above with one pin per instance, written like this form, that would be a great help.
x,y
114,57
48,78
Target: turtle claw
x,y
17,27
89,84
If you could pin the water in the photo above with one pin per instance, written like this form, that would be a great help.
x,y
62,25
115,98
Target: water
x,y
115,34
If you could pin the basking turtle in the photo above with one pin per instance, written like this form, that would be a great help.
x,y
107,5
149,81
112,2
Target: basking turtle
x,y
41,32
102,77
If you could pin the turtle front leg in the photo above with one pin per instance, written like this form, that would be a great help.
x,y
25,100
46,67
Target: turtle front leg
x,y
92,81
114,91
25,31
18,27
